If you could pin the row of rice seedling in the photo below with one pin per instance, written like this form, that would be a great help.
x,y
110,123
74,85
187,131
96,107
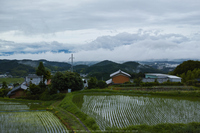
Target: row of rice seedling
x,y
121,111
11,107
18,122
30,122
16,106
51,123
8,102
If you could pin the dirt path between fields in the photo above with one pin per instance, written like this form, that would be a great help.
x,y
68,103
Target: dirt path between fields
x,y
55,105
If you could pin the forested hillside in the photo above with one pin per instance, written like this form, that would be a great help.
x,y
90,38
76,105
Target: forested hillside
x,y
51,65
101,70
13,68
22,68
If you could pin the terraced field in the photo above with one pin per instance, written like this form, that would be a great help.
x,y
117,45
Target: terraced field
x,y
121,111
17,118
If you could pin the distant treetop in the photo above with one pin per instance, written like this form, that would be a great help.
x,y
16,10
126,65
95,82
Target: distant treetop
x,y
186,66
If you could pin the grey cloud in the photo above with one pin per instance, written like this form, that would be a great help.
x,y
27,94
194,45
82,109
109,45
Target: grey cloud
x,y
49,16
161,40
9,46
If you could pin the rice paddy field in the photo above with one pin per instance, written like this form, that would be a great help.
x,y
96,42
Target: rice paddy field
x,y
121,111
16,117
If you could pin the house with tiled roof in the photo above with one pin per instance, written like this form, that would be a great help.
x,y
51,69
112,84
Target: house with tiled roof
x,y
119,77
19,90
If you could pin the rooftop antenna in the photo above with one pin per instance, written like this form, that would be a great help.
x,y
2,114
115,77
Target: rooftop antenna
x,y
72,58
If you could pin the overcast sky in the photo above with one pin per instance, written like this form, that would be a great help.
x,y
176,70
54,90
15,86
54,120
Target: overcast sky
x,y
96,30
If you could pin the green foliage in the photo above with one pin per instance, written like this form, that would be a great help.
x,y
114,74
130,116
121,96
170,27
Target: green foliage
x,y
90,122
35,89
45,96
92,83
4,92
41,71
78,100
14,68
68,80
101,84
190,75
47,75
52,90
137,81
4,85
186,66
147,84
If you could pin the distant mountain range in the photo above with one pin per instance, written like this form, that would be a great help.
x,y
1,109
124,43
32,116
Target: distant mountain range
x,y
97,69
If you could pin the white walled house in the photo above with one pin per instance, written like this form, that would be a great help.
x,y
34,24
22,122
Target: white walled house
x,y
34,79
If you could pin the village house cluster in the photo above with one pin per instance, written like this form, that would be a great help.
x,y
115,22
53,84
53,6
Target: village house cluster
x,y
30,79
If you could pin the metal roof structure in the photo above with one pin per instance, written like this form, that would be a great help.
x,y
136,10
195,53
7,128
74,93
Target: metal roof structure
x,y
120,72
109,81
159,75
33,76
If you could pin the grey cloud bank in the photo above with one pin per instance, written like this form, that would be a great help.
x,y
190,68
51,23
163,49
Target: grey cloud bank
x,y
99,29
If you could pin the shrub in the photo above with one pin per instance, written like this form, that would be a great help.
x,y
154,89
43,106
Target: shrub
x,y
101,84
90,122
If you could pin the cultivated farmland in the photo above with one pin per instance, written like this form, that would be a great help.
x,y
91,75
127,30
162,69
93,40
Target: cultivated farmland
x,y
17,118
121,111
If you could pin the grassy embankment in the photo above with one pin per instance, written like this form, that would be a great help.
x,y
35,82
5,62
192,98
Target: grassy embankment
x,y
68,105
193,127
69,120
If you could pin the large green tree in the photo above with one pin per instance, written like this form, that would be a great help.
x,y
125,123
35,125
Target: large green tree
x,y
42,71
92,83
4,85
65,81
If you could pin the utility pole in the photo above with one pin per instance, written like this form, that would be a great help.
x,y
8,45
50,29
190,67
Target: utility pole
x,y
72,58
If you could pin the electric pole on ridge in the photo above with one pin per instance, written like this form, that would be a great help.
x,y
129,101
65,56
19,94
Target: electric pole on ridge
x,y
72,58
